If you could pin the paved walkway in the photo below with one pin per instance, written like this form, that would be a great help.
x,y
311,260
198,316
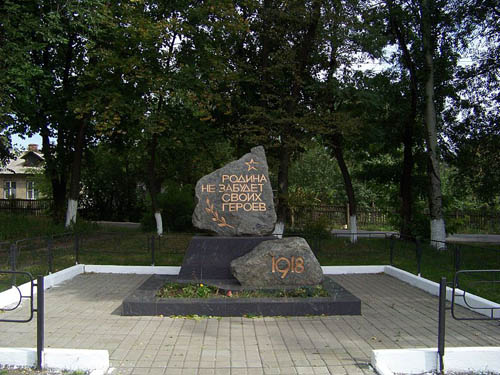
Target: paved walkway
x,y
81,313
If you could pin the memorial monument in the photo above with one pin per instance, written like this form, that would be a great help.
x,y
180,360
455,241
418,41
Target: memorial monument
x,y
236,204
235,207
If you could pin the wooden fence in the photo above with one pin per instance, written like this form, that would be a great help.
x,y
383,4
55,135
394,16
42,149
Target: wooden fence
x,y
462,221
338,216
26,206
474,220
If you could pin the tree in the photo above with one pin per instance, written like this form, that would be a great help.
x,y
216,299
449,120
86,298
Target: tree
x,y
333,97
474,113
288,49
438,230
5,153
429,40
399,33
274,61
45,49
111,183
161,75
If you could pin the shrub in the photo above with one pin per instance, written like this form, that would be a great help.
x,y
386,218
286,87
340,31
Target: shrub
x,y
176,205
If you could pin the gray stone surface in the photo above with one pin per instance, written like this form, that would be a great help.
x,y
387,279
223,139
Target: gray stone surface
x,y
237,199
284,262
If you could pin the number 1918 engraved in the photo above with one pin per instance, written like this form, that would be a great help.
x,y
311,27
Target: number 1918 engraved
x,y
285,265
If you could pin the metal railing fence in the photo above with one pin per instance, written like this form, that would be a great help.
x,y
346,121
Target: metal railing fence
x,y
44,255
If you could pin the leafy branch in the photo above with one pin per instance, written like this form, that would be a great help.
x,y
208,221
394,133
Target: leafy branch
x,y
220,220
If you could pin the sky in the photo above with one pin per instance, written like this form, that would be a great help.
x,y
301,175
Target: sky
x,y
22,144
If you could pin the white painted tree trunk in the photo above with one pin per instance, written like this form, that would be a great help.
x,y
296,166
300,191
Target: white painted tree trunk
x,y
279,228
71,212
353,223
159,223
438,234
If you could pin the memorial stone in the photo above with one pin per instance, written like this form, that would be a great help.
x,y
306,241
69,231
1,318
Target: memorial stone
x,y
237,199
284,262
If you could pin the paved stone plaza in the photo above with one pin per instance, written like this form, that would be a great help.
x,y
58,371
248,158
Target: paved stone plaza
x,y
84,313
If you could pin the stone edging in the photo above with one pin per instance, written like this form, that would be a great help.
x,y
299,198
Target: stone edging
x,y
419,361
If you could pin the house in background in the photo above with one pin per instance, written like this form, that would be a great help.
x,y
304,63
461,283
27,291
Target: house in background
x,y
16,179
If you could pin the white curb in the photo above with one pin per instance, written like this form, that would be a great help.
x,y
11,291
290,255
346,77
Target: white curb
x,y
472,301
11,297
418,361
345,270
95,361
140,270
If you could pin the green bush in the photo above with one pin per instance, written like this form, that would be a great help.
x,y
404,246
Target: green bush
x,y
318,228
176,205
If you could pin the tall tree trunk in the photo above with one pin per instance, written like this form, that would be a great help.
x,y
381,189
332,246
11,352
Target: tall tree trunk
x,y
438,230
351,198
405,185
57,177
76,168
153,183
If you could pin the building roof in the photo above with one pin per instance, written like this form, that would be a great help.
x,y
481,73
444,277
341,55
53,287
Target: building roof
x,y
26,163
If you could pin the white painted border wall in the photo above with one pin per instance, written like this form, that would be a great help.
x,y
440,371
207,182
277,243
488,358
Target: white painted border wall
x,y
95,361
433,288
419,361
11,296
140,270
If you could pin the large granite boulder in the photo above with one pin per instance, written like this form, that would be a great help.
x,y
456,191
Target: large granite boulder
x,y
237,199
276,263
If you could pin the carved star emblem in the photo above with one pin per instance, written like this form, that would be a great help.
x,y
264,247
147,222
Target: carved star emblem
x,y
251,164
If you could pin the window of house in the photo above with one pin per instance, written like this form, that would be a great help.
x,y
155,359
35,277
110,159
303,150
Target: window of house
x,y
9,190
31,192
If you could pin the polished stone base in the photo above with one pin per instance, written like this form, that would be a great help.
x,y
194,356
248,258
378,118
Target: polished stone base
x,y
209,258
143,301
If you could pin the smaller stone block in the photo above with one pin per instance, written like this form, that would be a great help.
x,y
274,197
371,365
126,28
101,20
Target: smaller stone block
x,y
277,263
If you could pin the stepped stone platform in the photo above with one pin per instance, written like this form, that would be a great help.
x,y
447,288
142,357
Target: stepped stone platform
x,y
143,302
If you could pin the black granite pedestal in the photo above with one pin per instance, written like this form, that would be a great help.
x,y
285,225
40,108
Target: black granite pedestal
x,y
143,301
209,258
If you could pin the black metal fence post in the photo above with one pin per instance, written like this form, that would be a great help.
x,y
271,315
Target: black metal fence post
x,y
153,250
418,249
50,255
391,248
13,263
441,322
456,260
40,327
77,249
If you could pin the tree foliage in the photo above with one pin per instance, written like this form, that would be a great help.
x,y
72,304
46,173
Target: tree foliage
x,y
171,90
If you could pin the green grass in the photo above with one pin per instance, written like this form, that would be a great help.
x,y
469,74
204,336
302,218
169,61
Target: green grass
x,y
16,226
199,290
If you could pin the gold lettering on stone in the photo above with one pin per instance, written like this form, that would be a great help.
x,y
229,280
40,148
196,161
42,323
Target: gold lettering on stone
x,y
284,265
208,188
